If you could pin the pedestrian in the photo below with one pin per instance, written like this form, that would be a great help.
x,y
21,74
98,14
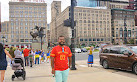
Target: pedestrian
x,y
17,52
37,53
11,52
48,56
20,52
31,58
60,55
26,56
3,61
42,56
90,56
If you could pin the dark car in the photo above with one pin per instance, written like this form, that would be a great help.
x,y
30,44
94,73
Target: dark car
x,y
119,57
84,50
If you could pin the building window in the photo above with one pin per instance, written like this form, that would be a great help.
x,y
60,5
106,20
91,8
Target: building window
x,y
94,39
101,39
98,39
21,40
12,36
26,27
16,27
26,40
26,24
21,23
89,39
21,27
26,31
86,40
129,33
12,40
81,39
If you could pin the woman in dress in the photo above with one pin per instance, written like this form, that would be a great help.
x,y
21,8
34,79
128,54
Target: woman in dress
x,y
3,61
90,57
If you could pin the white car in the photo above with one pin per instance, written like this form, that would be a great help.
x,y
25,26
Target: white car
x,y
77,50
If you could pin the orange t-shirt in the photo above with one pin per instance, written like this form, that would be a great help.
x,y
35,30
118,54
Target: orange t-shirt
x,y
61,58
26,52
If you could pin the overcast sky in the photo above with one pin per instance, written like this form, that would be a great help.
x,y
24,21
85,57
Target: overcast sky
x,y
5,8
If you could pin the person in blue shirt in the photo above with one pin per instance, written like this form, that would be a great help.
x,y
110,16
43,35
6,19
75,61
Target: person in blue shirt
x,y
42,56
37,53
48,56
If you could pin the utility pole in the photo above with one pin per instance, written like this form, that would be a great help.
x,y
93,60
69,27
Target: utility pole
x,y
73,34
71,23
125,30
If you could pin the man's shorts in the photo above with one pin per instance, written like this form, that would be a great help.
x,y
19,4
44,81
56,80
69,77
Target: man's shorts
x,y
61,76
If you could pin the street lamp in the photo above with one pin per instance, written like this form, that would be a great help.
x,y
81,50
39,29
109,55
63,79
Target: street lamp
x,y
125,30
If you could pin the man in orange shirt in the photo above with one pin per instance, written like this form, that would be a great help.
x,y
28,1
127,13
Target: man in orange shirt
x,y
59,60
26,55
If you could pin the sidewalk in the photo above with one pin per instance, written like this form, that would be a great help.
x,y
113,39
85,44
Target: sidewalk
x,y
83,73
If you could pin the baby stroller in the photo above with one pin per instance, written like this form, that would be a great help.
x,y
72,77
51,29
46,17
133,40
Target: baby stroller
x,y
18,66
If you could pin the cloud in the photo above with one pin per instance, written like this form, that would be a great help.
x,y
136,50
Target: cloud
x,y
5,8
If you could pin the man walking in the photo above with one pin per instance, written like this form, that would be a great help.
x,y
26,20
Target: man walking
x,y
26,56
59,60
17,52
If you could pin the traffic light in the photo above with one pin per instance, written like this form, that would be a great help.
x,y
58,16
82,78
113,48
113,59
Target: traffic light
x,y
135,8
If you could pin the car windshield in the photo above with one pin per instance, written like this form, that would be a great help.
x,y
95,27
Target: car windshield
x,y
133,48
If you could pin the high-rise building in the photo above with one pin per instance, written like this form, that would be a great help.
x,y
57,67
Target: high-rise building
x,y
93,25
23,17
87,3
119,17
114,4
55,9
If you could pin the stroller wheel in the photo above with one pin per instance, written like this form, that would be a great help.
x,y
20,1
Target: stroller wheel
x,y
23,77
13,76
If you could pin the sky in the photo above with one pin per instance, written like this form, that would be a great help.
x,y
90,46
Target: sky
x,y
5,8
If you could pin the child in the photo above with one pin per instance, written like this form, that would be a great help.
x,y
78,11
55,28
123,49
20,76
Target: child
x,y
48,56
31,58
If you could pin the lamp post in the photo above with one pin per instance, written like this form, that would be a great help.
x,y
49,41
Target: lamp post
x,y
73,2
125,30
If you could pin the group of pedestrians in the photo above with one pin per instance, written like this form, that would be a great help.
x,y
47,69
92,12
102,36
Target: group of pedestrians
x,y
31,57
60,55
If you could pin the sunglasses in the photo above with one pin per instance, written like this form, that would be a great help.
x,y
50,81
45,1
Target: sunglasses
x,y
62,49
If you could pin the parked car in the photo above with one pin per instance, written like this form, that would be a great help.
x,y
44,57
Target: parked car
x,y
119,57
84,50
77,50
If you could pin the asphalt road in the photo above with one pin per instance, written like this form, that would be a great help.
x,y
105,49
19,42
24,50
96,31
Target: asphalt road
x,y
84,56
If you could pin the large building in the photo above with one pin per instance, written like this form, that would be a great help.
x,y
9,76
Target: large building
x,y
23,17
5,33
87,3
114,4
0,16
93,26
122,18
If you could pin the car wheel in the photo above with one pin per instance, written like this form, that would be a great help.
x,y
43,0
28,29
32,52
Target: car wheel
x,y
135,68
105,64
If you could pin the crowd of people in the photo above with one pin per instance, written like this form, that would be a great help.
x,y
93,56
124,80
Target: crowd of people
x,y
31,56
60,56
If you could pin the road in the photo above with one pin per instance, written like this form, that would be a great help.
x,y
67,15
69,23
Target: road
x,y
84,56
